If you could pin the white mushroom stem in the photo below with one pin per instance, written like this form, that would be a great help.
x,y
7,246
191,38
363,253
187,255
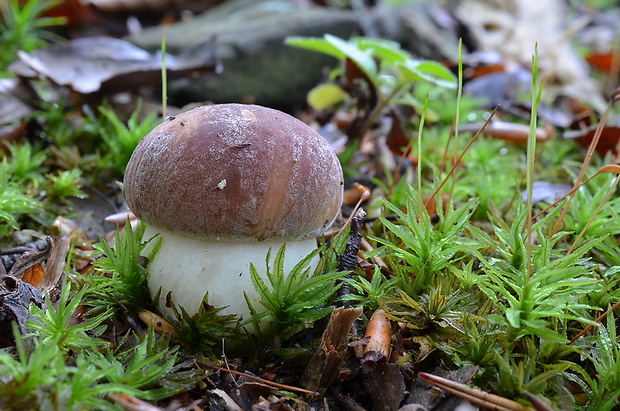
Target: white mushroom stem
x,y
190,267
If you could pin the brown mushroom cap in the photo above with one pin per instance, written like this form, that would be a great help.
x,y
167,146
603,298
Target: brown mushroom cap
x,y
233,171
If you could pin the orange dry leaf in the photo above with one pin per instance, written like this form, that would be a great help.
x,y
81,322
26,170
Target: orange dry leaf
x,y
42,269
33,274
607,62
431,204
379,335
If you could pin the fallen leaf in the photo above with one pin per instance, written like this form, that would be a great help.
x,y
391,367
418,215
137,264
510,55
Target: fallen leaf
x,y
385,386
610,168
159,324
514,132
15,299
606,62
15,104
92,64
29,266
544,191
608,142
75,12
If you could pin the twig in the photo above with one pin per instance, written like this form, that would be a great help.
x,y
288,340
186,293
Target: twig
x,y
250,376
458,160
364,195
590,326
474,395
586,162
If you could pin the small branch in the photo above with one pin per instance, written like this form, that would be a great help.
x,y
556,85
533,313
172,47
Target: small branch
x,y
473,395
250,376
590,326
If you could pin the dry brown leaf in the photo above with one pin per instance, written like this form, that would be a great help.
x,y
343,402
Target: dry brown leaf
x,y
93,64
608,142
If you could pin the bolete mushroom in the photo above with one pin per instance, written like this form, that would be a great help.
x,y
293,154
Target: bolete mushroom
x,y
222,185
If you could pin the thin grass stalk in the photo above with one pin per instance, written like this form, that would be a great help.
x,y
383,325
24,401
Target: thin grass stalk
x,y
593,216
559,200
584,165
459,93
458,160
420,128
590,326
611,81
609,168
164,78
531,155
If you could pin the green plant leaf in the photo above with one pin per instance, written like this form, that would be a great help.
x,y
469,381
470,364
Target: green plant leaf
x,y
325,96
416,70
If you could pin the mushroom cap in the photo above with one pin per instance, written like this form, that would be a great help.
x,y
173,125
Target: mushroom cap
x,y
234,171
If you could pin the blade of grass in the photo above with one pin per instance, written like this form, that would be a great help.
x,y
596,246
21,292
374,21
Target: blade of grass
x,y
164,78
420,195
531,154
459,93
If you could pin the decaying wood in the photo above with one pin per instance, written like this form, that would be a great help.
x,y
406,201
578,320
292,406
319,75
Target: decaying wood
x,y
324,365
348,259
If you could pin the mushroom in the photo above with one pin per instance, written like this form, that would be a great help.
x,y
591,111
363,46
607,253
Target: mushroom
x,y
222,185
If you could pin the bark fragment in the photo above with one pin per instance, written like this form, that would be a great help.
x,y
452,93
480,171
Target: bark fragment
x,y
324,365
